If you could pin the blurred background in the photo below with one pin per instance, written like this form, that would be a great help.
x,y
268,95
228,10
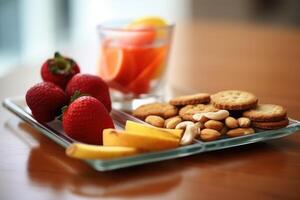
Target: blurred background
x,y
31,30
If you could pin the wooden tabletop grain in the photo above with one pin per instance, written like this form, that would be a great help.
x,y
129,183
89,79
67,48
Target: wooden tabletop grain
x,y
205,57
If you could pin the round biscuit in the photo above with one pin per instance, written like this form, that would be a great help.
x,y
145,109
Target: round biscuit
x,y
234,100
163,110
190,99
266,112
270,125
188,111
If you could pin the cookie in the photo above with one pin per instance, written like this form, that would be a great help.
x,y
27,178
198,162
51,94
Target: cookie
x,y
234,100
163,110
266,112
270,125
188,111
190,99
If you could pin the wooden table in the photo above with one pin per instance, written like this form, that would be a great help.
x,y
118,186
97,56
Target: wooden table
x,y
205,57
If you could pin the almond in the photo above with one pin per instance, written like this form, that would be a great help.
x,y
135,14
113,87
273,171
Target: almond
x,y
172,122
213,124
224,130
209,134
240,132
231,122
244,122
155,121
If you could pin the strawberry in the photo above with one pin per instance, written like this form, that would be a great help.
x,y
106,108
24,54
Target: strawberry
x,y
90,85
59,70
45,101
84,120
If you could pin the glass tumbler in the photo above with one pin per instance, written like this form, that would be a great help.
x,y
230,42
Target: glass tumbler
x,y
133,60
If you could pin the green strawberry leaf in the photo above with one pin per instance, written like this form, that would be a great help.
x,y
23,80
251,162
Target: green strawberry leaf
x,y
60,65
76,95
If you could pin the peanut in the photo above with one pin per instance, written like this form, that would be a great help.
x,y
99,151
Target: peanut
x,y
244,122
240,132
231,122
209,134
155,121
172,122
213,124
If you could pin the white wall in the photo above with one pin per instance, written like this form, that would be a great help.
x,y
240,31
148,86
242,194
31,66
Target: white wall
x,y
40,37
87,14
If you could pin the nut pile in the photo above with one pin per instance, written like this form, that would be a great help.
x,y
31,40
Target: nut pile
x,y
209,117
216,124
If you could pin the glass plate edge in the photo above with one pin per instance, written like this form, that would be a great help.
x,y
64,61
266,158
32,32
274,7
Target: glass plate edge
x,y
198,147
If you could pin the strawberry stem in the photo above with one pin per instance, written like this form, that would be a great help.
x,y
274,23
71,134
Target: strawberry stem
x,y
58,55
63,109
76,95
60,65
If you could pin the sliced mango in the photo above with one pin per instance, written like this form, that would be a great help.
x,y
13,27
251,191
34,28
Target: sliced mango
x,y
132,126
87,151
139,140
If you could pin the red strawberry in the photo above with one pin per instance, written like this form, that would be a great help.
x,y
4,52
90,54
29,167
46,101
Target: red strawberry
x,y
59,70
85,118
45,101
91,85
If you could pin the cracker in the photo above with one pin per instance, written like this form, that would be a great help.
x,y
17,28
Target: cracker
x,y
188,111
270,125
234,100
190,99
163,110
266,112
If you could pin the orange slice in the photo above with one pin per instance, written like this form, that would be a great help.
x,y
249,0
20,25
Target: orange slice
x,y
148,20
160,69
142,57
116,67
114,63
151,21
138,36
141,84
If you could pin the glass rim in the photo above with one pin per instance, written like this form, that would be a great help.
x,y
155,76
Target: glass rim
x,y
106,25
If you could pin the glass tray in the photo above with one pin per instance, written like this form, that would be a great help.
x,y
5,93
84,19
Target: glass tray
x,y
54,131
